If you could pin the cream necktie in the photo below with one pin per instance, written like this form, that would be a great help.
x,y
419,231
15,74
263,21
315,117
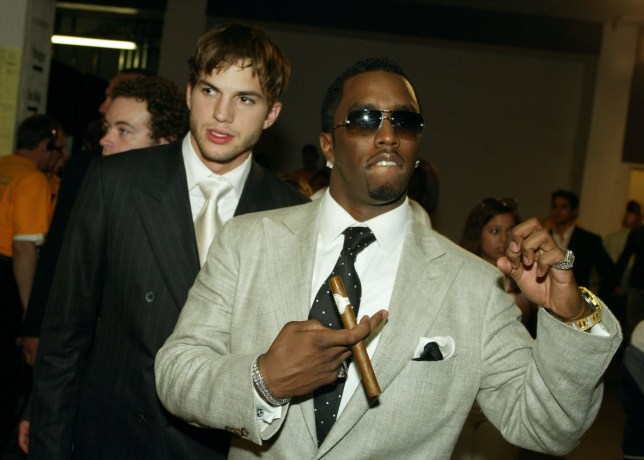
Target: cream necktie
x,y
208,222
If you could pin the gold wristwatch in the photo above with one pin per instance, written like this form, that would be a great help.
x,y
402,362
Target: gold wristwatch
x,y
595,317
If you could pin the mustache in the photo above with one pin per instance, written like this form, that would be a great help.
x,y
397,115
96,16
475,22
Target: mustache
x,y
385,151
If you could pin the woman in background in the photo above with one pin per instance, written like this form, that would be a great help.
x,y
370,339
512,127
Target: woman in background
x,y
486,234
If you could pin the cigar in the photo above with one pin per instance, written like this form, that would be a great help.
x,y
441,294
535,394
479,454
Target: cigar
x,y
359,350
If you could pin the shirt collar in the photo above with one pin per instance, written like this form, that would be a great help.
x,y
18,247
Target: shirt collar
x,y
568,232
196,171
389,228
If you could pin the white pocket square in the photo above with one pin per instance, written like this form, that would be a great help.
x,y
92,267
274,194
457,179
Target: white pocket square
x,y
446,346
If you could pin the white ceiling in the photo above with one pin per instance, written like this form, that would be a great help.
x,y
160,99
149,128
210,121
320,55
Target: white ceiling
x,y
623,11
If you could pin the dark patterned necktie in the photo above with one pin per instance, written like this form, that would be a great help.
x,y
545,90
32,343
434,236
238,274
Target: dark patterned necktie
x,y
327,398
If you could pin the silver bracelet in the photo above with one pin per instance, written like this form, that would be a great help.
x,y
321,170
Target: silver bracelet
x,y
262,388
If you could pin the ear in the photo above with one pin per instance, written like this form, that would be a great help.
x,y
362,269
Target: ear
x,y
326,144
42,145
272,114
188,95
166,140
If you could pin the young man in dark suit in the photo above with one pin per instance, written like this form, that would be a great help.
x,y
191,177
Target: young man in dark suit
x,y
130,255
587,246
142,112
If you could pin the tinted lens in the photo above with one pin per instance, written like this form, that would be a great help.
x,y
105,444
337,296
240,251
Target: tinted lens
x,y
405,123
364,119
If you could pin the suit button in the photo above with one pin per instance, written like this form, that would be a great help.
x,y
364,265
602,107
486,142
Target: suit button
x,y
242,432
149,297
142,419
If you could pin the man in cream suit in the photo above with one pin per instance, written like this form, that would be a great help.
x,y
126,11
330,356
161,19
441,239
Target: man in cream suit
x,y
245,358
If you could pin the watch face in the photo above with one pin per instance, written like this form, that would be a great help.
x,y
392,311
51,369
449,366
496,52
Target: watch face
x,y
595,317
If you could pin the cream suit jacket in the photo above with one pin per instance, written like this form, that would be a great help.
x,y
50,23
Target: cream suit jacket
x,y
542,395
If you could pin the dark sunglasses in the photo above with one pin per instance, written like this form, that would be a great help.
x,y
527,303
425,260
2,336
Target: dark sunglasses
x,y
365,121
510,204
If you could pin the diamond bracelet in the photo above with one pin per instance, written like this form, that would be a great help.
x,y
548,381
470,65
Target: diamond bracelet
x,y
262,388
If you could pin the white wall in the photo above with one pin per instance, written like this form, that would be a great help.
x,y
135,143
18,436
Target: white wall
x,y
183,23
25,55
500,122
606,177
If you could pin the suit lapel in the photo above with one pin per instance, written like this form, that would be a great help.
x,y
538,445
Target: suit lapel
x,y
293,280
289,240
424,276
254,197
164,207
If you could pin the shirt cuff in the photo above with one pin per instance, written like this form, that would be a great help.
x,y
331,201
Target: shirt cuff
x,y
265,412
599,330
36,238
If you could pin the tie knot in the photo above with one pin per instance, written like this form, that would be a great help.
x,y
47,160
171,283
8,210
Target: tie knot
x,y
214,187
356,239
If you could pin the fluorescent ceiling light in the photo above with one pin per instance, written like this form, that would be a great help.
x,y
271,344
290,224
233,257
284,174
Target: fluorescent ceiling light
x,y
93,42
97,8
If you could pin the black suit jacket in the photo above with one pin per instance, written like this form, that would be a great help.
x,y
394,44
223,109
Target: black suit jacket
x,y
70,183
127,263
590,253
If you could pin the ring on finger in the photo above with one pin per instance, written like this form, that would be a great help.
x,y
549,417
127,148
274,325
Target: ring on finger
x,y
567,262
342,371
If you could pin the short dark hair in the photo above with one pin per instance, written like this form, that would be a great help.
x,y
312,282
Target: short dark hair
x,y
36,128
633,206
571,197
334,92
233,44
424,185
310,149
480,215
165,103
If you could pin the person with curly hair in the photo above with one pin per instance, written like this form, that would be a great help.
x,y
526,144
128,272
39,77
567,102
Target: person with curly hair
x,y
145,111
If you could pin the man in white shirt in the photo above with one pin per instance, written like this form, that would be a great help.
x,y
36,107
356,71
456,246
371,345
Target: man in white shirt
x,y
587,246
244,356
615,242
131,253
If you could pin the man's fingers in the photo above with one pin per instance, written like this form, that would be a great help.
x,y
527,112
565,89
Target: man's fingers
x,y
504,264
531,243
525,229
23,435
329,338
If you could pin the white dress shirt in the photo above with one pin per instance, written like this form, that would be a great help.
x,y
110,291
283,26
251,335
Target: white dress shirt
x,y
376,266
564,240
196,171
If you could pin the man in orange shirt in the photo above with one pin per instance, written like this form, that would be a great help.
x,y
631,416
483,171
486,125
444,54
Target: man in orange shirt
x,y
25,209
